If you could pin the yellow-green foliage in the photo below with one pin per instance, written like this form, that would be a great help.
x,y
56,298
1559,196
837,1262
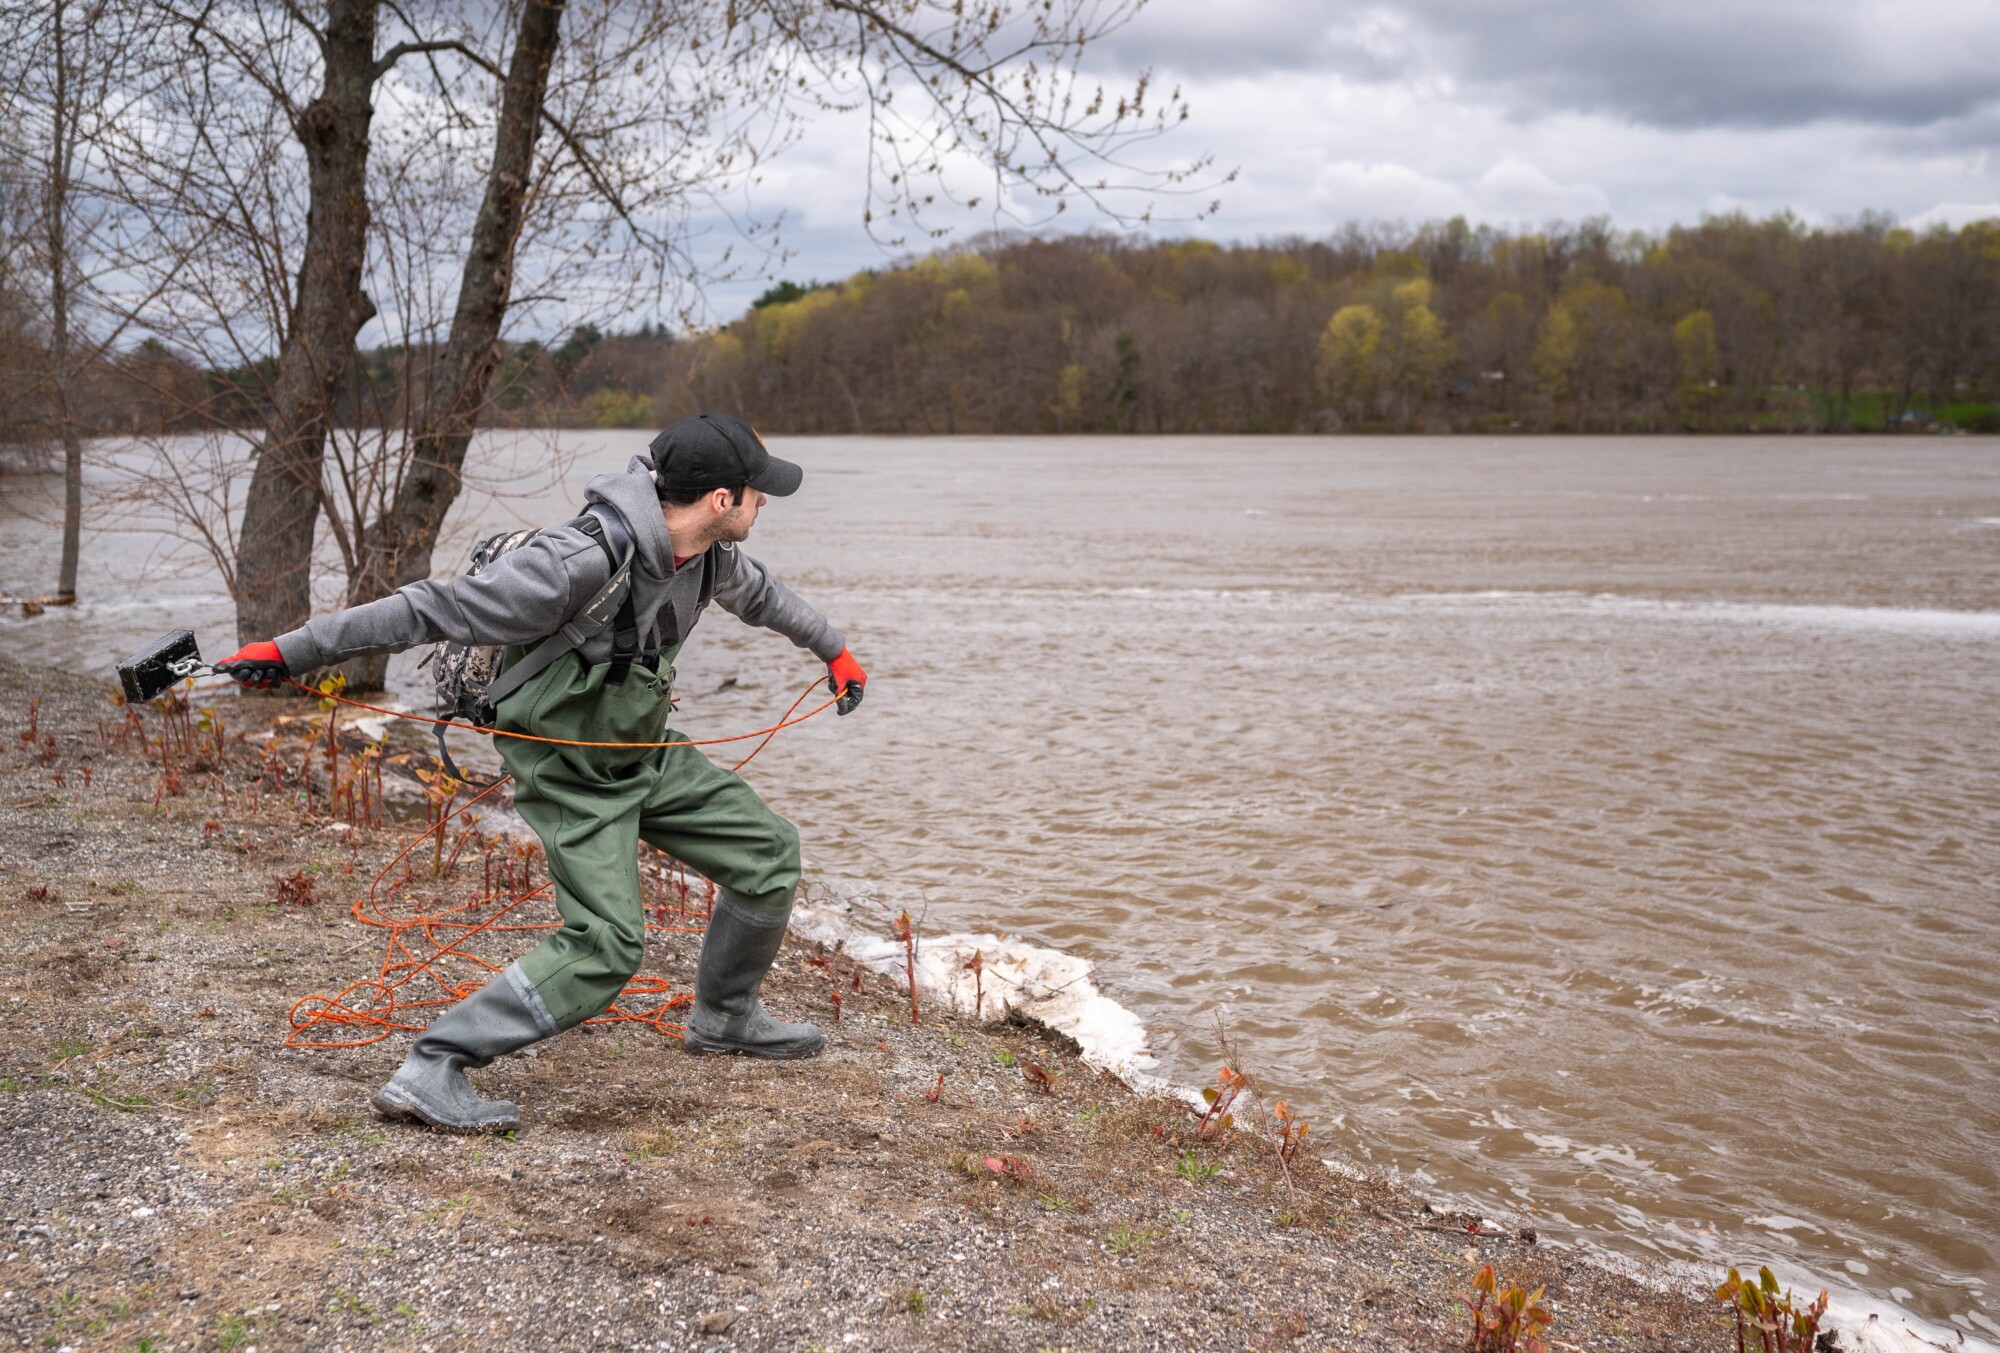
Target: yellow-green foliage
x,y
779,326
1420,351
722,353
616,409
1347,355
1555,354
1071,383
1700,363
1399,349
1287,272
1392,263
955,271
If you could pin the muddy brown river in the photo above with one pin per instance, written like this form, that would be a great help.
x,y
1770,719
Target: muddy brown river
x,y
1602,832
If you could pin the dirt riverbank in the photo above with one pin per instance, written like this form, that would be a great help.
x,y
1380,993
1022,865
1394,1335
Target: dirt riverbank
x,y
176,1178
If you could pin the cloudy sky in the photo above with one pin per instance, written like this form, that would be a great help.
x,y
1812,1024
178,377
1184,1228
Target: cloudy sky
x,y
1516,112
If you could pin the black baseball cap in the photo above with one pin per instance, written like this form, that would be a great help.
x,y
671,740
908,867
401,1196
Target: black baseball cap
x,y
719,451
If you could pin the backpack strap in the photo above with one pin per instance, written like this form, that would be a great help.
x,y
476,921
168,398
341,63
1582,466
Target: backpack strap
x,y
625,628
614,599
624,643
451,767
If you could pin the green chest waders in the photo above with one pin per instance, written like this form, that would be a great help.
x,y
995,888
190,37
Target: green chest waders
x,y
593,805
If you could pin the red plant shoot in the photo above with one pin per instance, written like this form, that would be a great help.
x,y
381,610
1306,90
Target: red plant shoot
x,y
1292,1133
1228,1085
294,890
1505,1319
1010,1168
1782,1324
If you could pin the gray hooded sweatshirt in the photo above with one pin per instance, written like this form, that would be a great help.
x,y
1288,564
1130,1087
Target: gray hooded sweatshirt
x,y
529,593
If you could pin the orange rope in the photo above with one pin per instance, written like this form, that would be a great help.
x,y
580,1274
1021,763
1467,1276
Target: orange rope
x,y
369,1010
766,733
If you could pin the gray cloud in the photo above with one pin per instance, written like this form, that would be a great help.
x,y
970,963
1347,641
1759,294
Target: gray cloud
x,y
1977,135
1777,63
1688,63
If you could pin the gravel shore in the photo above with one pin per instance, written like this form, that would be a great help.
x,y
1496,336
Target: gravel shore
x,y
175,1177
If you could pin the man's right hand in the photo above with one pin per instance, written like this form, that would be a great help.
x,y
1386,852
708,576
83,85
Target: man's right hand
x,y
259,664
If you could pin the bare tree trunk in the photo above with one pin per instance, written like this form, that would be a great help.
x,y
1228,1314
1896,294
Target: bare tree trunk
x,y
853,404
72,500
62,363
281,507
398,549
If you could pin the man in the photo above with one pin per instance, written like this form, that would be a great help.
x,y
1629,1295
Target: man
x,y
685,509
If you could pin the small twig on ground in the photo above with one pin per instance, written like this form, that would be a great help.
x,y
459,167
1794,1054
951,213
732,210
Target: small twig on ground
x,y
908,939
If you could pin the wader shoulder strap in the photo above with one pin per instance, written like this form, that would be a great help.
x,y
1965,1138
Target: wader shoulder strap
x,y
614,599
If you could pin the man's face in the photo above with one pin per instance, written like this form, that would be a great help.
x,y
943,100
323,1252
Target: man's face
x,y
736,521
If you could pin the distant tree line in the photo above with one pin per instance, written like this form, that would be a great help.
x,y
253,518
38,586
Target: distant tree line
x,y
1730,325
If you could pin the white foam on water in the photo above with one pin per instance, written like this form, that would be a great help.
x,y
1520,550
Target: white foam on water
x,y
1881,619
89,609
1874,1325
1916,621
371,726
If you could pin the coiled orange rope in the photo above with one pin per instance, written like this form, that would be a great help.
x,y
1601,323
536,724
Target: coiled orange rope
x,y
369,1010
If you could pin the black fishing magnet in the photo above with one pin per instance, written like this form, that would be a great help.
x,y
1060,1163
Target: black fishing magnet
x,y
159,667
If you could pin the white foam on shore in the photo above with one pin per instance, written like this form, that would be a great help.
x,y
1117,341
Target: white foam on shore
x,y
1875,1325
1865,1324
1016,979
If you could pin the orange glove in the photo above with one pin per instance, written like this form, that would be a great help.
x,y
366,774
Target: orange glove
x,y
259,664
845,679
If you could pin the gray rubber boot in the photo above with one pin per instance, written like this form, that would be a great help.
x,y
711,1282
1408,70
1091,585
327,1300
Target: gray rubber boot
x,y
728,1017
501,1017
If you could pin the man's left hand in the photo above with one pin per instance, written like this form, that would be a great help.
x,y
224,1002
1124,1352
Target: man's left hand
x,y
845,679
